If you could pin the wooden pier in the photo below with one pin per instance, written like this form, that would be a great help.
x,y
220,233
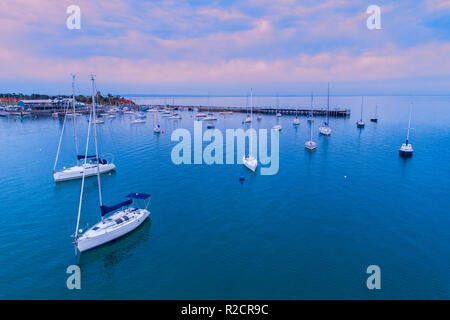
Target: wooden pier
x,y
336,112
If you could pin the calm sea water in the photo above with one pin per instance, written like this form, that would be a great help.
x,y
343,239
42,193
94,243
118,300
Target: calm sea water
x,y
307,232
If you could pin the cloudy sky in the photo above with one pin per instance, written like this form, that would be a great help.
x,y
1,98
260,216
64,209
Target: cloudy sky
x,y
225,47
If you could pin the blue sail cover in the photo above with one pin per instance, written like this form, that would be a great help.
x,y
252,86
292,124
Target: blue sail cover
x,y
105,210
80,157
137,195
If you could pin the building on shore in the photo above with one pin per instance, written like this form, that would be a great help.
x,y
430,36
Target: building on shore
x,y
49,105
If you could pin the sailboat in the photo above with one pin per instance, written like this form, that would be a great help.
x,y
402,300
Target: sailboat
x,y
248,119
249,161
360,123
296,120
311,144
277,126
86,169
138,120
278,107
406,150
325,129
117,224
375,117
157,128
210,116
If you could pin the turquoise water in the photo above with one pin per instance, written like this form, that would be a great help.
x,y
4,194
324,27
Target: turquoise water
x,y
307,232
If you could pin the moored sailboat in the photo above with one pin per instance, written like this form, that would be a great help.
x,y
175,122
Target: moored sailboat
x,y
406,150
325,129
79,170
360,123
249,161
125,216
311,144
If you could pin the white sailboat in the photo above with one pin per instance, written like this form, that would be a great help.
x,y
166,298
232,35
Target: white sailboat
x,y
360,124
296,120
278,107
325,129
116,224
249,161
277,126
175,116
406,150
210,116
248,119
138,120
157,128
375,116
80,170
311,144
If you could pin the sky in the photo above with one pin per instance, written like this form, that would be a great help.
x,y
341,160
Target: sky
x,y
226,47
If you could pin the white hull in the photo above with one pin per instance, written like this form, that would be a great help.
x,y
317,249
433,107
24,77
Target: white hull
x,y
296,121
325,130
406,150
277,127
77,171
102,233
250,162
310,145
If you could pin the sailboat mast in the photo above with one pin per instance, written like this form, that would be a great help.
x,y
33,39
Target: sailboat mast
x,y
362,102
74,116
312,118
96,144
328,104
82,180
251,121
60,138
409,123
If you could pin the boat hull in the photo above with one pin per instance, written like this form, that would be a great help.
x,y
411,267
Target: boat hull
x,y
310,145
405,154
97,239
250,163
326,131
76,172
406,150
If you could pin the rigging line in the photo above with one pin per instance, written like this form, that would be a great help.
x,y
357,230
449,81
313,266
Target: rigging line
x,y
60,139
94,93
82,180
74,116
